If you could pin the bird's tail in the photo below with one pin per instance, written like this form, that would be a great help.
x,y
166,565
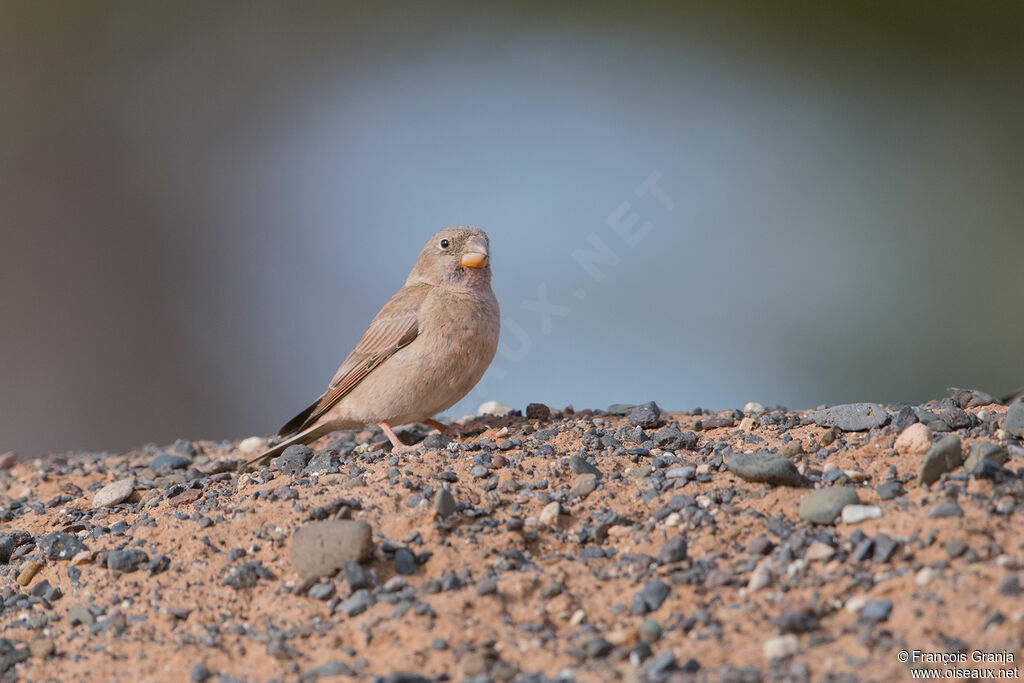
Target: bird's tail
x,y
303,437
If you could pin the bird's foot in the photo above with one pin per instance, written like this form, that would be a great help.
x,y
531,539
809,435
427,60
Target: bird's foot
x,y
397,447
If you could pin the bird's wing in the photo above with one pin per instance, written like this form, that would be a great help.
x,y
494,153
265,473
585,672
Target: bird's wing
x,y
395,326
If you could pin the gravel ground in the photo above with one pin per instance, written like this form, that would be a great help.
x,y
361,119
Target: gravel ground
x,y
625,544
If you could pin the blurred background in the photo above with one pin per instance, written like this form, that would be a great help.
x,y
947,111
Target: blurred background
x,y
203,205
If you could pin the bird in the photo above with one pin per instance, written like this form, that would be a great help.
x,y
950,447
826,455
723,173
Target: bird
x,y
424,350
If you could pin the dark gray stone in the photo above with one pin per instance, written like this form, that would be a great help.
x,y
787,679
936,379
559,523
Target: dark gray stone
x,y
969,398
656,667
200,673
60,546
863,549
537,411
904,418
436,441
444,503
851,417
646,415
545,434
294,459
321,591
949,509
797,621
167,462
334,669
957,418
982,451
579,465
674,550
356,604
889,490
405,562
7,547
955,548
986,469
650,631
126,560
876,611
651,597
765,468
1010,585
945,455
356,575
673,439
325,461
597,647
247,575
885,547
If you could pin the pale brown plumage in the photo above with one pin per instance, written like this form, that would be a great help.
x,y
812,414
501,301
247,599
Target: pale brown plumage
x,y
425,349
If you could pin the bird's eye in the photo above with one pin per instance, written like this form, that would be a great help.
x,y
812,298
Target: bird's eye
x,y
445,244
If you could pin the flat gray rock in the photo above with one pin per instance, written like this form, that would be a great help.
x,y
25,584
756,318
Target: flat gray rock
x,y
851,417
765,468
825,505
321,548
583,485
444,503
1014,422
579,465
945,455
982,452
969,398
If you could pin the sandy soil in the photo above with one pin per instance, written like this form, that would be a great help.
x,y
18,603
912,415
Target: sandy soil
x,y
502,589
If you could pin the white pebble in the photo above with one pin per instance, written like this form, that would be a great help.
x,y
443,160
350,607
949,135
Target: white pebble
x,y
549,515
493,408
114,493
1008,562
852,514
250,444
760,578
914,440
856,604
781,646
925,576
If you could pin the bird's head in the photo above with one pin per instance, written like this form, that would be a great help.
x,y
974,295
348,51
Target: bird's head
x,y
457,257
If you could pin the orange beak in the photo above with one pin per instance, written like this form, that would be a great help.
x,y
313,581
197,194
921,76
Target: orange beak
x,y
475,255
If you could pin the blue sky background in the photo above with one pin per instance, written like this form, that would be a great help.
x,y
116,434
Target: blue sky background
x,y
204,205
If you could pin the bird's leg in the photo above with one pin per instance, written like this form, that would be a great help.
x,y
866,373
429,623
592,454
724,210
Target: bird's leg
x,y
397,447
448,430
